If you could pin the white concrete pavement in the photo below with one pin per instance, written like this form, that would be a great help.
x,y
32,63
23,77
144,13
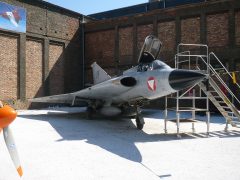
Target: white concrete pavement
x,y
58,146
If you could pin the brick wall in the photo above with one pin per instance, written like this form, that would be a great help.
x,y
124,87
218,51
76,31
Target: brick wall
x,y
238,73
167,34
237,27
217,30
142,32
61,26
126,45
8,67
99,47
56,69
190,30
73,67
34,67
37,65
204,23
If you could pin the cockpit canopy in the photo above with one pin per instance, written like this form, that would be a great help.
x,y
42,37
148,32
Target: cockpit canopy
x,y
156,64
150,50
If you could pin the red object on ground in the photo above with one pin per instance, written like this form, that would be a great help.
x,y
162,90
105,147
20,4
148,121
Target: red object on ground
x,y
7,116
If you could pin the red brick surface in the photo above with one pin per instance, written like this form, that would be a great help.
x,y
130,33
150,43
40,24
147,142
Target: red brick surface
x,y
111,71
167,34
71,28
125,45
99,47
190,30
142,32
61,26
8,67
237,27
217,30
34,67
56,69
88,76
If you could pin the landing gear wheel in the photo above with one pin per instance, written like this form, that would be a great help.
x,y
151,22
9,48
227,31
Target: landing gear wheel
x,y
140,122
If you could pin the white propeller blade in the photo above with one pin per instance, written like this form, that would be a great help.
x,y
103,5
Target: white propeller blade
x,y
12,149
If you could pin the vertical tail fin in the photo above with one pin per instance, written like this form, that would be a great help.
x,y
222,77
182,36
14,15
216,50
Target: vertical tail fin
x,y
99,75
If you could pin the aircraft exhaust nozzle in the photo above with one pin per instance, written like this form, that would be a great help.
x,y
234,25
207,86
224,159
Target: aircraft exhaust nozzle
x,y
181,79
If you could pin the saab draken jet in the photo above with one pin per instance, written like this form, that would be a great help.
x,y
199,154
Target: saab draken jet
x,y
125,94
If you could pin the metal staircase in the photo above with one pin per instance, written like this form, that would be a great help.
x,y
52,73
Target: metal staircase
x,y
197,57
223,102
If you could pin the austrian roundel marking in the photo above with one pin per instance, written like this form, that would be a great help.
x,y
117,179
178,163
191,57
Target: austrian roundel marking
x,y
152,84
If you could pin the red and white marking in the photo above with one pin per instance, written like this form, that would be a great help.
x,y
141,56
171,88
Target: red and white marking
x,y
152,84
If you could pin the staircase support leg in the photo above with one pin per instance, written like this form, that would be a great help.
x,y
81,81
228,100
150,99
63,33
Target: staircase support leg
x,y
208,122
178,124
193,128
165,116
165,121
193,112
226,127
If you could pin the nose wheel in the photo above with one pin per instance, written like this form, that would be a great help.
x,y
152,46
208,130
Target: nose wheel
x,y
139,120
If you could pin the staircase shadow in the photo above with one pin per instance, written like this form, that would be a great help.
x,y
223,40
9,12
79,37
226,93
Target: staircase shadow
x,y
218,134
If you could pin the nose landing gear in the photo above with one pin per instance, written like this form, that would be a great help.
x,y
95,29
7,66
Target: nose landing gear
x,y
139,120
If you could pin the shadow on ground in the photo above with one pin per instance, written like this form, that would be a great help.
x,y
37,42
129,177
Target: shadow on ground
x,y
118,136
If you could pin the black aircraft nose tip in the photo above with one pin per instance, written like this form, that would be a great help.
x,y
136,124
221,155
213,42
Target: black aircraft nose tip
x,y
181,79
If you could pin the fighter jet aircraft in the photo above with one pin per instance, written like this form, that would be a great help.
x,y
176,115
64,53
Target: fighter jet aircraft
x,y
125,94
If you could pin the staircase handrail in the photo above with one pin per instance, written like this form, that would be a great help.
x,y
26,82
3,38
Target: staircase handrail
x,y
220,79
177,62
213,54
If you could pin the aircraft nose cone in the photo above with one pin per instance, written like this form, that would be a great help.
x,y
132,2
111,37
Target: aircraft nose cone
x,y
181,79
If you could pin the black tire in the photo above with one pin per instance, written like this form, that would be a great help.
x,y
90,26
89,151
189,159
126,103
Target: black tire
x,y
139,126
139,123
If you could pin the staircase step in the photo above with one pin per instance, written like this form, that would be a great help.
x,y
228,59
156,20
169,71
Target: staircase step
x,y
233,117
221,101
226,107
219,69
213,91
217,97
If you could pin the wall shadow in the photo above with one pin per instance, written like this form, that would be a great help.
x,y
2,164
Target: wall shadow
x,y
66,75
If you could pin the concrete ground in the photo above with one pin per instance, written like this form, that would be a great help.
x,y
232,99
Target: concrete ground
x,y
56,146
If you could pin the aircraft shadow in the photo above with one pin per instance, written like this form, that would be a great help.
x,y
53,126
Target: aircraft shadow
x,y
118,136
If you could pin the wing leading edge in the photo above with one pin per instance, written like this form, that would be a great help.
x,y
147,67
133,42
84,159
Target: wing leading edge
x,y
61,98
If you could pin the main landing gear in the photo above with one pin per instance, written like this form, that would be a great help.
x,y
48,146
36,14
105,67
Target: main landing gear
x,y
139,120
